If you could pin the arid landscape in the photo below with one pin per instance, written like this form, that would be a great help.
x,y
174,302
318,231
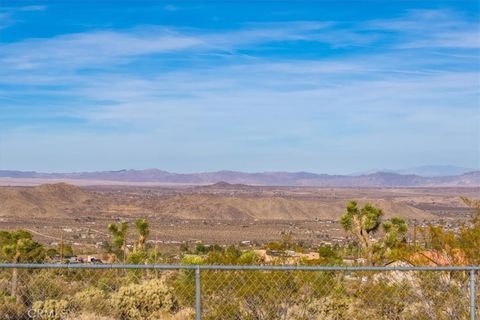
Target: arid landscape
x,y
229,160
218,213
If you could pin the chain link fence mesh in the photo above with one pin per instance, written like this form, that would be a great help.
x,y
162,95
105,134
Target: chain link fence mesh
x,y
257,294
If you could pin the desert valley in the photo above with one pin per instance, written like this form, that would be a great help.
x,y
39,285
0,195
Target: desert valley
x,y
222,212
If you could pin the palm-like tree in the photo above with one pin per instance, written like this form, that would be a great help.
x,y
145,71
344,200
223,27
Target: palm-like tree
x,y
361,223
119,237
475,206
395,232
143,230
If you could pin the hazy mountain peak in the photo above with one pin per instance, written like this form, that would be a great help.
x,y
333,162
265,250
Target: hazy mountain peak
x,y
436,170
406,178
423,171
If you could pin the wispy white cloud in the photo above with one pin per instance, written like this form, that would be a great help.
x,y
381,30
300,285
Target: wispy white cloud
x,y
33,8
215,113
112,47
8,14
416,29
432,29
415,20
89,49
449,39
6,19
397,99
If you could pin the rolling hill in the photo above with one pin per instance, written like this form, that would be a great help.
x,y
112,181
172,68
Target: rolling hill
x,y
63,200
271,208
48,200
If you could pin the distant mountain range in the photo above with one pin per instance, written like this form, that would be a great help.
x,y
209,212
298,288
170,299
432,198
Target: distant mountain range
x,y
152,176
425,171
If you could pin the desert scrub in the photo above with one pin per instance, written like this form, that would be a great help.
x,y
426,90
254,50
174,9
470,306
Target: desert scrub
x,y
49,284
144,301
10,308
93,300
88,316
111,281
50,309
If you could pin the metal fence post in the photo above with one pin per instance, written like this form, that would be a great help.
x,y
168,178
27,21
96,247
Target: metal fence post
x,y
472,294
198,303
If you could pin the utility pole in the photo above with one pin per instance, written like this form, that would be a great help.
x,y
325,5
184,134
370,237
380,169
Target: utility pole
x,y
414,237
61,249
156,253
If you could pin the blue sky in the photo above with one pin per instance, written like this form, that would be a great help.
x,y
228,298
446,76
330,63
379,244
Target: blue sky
x,y
321,86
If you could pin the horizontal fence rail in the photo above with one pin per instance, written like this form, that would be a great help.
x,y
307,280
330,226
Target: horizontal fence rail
x,y
233,267
260,292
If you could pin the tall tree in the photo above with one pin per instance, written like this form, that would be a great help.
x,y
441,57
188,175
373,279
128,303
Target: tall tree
x,y
143,230
475,206
119,238
394,243
395,232
19,247
361,223
469,237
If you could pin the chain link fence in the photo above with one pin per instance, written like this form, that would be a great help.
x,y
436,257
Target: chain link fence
x,y
236,292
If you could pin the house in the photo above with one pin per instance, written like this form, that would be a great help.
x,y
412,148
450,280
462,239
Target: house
x,y
89,259
92,259
287,257
350,260
66,259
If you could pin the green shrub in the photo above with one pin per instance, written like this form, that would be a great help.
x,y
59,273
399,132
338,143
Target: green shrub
x,y
326,308
10,308
249,257
191,259
47,284
110,282
93,300
147,300
88,316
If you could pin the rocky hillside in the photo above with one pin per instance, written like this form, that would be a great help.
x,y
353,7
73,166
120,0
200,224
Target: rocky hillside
x,y
63,200
270,208
47,200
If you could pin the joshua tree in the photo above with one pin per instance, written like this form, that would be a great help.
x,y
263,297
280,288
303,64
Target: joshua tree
x,y
361,223
366,221
18,246
394,244
119,237
469,238
475,206
395,232
143,232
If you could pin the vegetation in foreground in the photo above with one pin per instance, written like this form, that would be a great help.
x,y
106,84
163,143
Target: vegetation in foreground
x,y
151,294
